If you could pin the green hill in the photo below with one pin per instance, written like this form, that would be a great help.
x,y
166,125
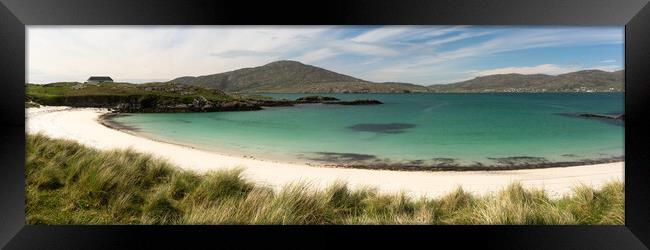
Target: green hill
x,y
293,77
579,81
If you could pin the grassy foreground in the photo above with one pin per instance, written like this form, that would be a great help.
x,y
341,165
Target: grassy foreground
x,y
67,183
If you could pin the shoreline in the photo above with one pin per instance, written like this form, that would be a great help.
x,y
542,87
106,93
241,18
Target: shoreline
x,y
85,126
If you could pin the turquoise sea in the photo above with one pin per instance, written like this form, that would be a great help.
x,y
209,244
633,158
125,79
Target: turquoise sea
x,y
408,129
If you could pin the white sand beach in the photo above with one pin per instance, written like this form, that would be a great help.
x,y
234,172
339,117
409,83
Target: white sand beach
x,y
82,125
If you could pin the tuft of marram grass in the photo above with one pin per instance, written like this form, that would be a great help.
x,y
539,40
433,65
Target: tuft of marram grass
x,y
67,183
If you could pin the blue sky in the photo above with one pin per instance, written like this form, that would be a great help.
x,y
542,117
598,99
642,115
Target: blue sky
x,y
415,54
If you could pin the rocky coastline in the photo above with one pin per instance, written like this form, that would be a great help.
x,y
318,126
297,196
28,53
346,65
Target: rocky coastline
x,y
201,104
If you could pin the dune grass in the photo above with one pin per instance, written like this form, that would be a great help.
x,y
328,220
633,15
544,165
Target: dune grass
x,y
67,183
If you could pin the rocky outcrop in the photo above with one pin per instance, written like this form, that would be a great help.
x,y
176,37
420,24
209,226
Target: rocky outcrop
x,y
273,103
332,100
315,99
235,106
199,104
356,102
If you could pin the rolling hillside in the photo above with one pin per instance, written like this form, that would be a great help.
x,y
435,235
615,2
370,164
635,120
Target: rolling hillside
x,y
579,81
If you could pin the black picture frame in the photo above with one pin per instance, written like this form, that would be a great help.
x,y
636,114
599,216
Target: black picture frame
x,y
16,14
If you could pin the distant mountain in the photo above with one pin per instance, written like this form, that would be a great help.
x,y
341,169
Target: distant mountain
x,y
292,76
579,81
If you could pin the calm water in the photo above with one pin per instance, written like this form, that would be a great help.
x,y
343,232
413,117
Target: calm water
x,y
406,129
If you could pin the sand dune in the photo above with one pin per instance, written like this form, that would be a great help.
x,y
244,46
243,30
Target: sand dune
x,y
81,124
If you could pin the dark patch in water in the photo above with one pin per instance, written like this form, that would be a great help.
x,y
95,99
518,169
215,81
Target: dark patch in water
x,y
519,160
601,118
472,133
385,128
569,155
183,121
342,157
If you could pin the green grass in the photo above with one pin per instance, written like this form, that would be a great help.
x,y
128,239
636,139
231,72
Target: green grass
x,y
112,93
67,183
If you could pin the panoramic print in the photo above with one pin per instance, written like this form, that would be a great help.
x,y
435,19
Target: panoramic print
x,y
324,125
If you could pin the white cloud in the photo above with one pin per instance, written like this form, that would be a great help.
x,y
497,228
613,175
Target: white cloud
x,y
316,55
458,37
364,49
548,69
380,34
241,53
398,34
608,67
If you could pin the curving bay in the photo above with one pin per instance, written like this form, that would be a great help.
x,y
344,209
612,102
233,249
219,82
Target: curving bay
x,y
413,131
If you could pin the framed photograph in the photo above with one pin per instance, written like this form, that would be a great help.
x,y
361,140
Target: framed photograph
x,y
508,124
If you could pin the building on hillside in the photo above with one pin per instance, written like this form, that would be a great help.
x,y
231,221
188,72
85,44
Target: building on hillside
x,y
99,79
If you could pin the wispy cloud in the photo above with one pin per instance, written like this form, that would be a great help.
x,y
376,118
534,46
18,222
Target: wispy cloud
x,y
317,55
607,67
458,37
241,53
528,39
377,35
548,69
